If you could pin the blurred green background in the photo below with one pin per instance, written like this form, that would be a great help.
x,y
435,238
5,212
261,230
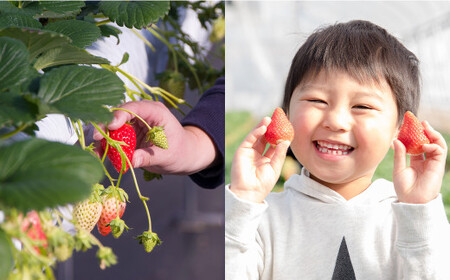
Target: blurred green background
x,y
238,124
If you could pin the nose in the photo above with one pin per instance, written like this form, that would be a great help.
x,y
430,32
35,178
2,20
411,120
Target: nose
x,y
337,119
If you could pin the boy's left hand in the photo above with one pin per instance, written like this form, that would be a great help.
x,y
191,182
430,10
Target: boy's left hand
x,y
421,181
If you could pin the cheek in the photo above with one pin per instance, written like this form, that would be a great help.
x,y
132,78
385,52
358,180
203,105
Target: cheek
x,y
375,135
304,124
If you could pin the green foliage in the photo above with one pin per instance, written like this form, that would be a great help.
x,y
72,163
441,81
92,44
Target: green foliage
x,y
35,174
44,68
136,14
6,258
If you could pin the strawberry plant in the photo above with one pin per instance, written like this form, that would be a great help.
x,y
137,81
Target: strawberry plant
x,y
45,69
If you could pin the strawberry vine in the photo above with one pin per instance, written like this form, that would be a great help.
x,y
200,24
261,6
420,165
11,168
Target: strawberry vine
x,y
45,69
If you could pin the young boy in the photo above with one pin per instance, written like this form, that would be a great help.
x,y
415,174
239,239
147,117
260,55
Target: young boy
x,y
347,90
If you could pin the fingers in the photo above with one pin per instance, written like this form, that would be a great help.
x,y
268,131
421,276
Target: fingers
x,y
434,136
400,162
279,156
152,112
97,135
255,139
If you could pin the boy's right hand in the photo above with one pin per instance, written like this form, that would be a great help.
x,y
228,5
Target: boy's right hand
x,y
253,175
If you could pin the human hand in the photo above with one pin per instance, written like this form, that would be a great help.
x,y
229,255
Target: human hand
x,y
185,143
421,181
253,175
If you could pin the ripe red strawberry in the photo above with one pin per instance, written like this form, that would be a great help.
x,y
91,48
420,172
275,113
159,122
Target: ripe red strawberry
x,y
280,129
412,134
109,213
126,134
31,225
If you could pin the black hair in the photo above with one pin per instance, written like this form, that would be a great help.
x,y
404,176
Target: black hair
x,y
366,52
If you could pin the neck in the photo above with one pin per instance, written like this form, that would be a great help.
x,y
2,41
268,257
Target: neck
x,y
350,189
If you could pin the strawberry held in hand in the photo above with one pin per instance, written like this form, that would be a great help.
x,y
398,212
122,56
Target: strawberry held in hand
x,y
279,129
412,134
126,134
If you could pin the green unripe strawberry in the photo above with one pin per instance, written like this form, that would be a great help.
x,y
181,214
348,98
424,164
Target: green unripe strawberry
x,y
157,136
149,240
106,257
117,227
173,82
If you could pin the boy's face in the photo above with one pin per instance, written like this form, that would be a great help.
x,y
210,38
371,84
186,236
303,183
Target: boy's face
x,y
343,129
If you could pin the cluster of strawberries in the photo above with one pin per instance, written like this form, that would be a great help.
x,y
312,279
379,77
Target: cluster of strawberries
x,y
105,207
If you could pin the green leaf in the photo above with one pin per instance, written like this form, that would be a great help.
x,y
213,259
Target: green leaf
x,y
81,32
67,54
6,258
15,67
35,174
80,92
60,9
18,19
108,30
134,13
36,41
16,110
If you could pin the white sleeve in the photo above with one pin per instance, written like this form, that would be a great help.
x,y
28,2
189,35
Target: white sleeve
x,y
423,240
243,254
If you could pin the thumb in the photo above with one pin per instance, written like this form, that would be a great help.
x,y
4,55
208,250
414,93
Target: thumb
x,y
279,156
400,161
141,158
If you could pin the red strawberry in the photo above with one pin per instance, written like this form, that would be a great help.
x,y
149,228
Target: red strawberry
x,y
126,134
280,129
109,213
412,134
31,225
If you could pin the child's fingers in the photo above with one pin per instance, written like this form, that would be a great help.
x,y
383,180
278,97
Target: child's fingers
x,y
254,138
279,156
400,162
434,136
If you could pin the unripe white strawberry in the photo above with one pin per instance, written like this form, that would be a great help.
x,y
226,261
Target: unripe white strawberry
x,y
87,213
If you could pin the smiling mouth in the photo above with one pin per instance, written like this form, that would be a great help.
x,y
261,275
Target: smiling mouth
x,y
333,149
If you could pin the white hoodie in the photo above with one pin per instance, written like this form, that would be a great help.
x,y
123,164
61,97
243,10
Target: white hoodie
x,y
309,231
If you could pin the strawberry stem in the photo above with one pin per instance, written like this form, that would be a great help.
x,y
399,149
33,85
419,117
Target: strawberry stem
x,y
142,198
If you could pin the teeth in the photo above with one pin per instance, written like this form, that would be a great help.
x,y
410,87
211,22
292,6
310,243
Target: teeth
x,y
333,149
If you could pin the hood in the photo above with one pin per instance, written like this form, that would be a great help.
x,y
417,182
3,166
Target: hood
x,y
379,190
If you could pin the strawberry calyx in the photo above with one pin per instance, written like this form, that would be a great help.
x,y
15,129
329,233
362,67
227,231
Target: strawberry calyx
x,y
117,227
106,257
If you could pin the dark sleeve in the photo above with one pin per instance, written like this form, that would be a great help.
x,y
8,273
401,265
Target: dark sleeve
x,y
209,115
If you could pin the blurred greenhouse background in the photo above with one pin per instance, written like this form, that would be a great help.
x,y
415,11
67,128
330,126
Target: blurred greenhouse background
x,y
262,38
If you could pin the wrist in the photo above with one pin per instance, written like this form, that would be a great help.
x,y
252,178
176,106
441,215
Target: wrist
x,y
199,149
249,195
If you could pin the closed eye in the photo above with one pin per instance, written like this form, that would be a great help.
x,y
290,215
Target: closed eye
x,y
363,107
316,101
